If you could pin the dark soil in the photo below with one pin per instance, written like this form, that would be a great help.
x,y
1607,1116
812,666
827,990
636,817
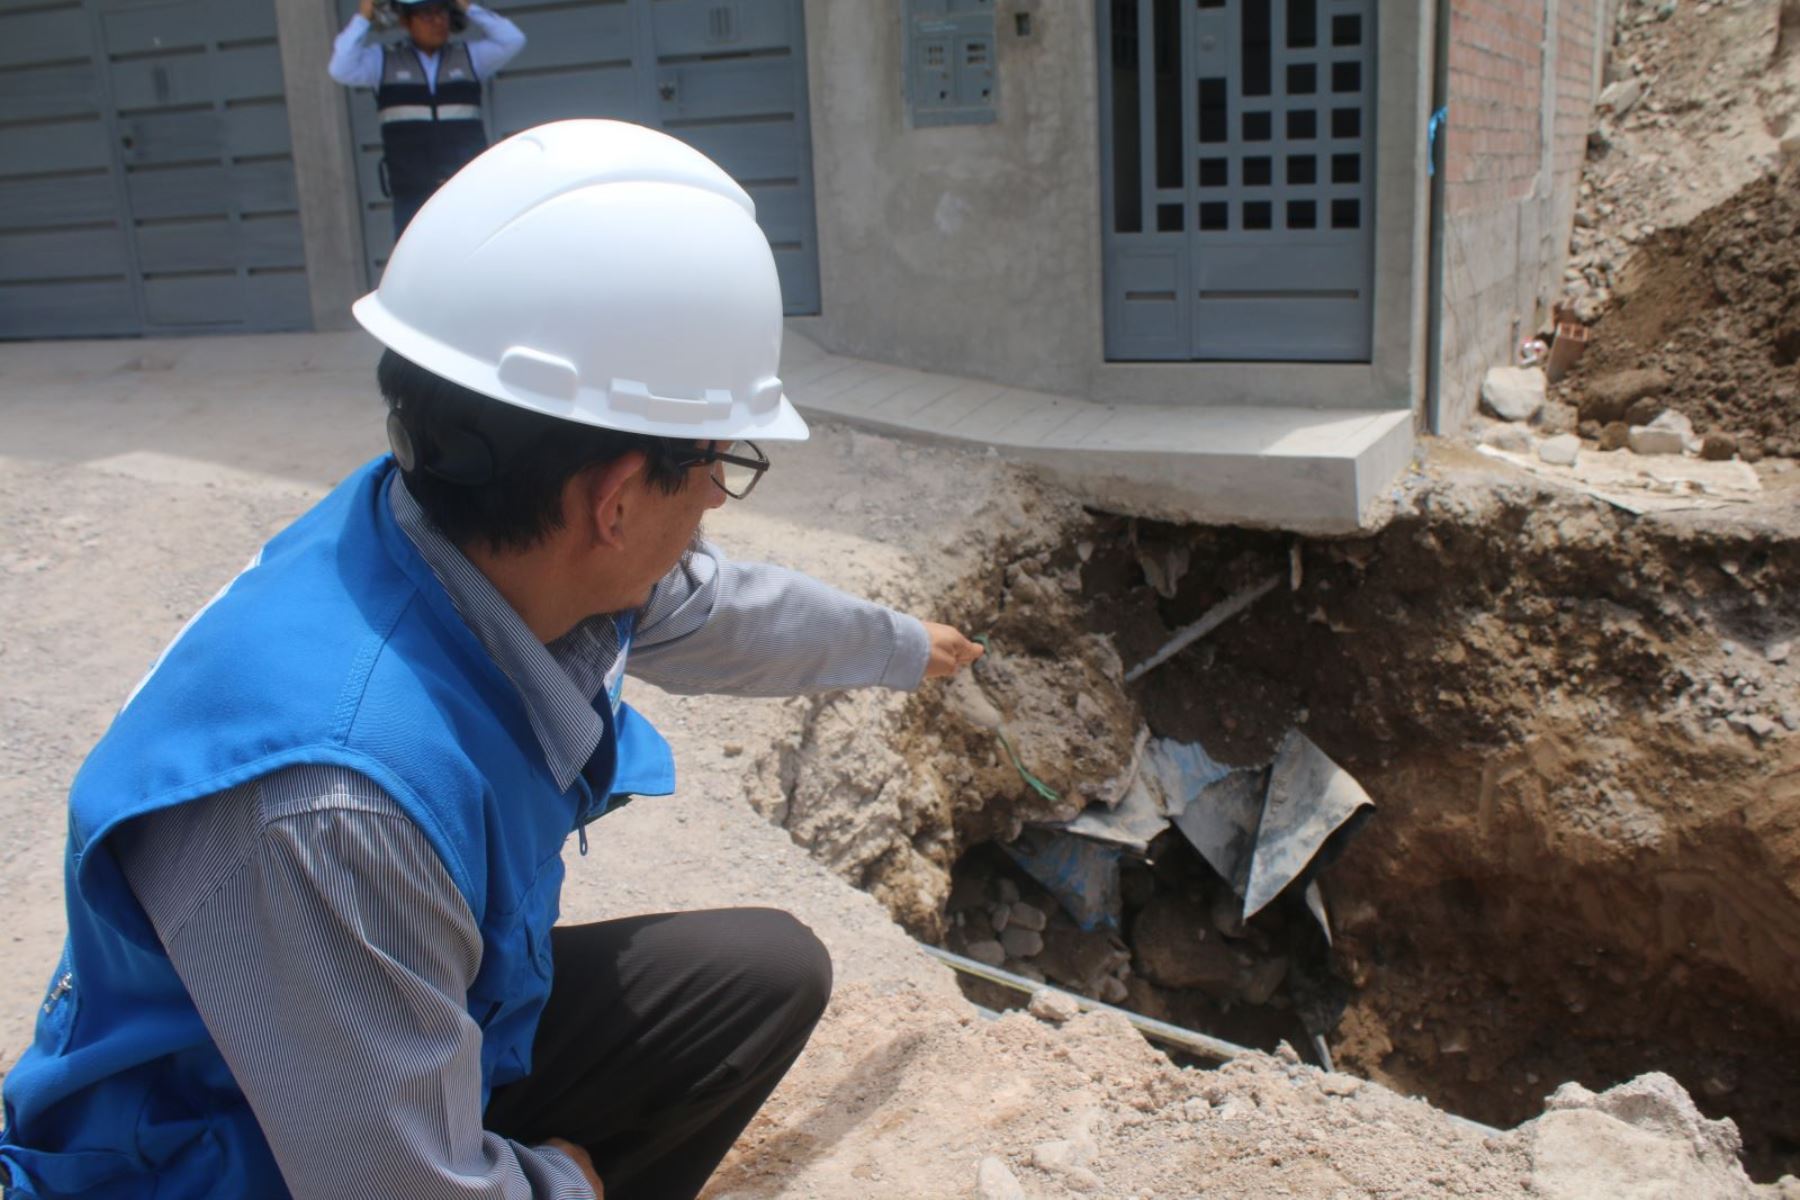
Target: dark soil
x,y
1577,869
1715,306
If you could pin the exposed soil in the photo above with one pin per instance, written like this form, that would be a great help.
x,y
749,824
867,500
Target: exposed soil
x,y
1684,247
1586,860
1577,727
1714,307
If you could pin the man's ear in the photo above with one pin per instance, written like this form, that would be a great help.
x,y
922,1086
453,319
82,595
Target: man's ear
x,y
605,494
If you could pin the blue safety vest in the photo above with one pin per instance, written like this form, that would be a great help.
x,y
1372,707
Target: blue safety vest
x,y
337,645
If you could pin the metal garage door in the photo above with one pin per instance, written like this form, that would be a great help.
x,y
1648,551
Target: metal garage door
x,y
1239,144
145,178
726,76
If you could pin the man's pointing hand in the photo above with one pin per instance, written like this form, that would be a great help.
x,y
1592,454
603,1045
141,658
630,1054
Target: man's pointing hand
x,y
950,651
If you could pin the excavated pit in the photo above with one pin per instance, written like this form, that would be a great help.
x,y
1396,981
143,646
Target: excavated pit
x,y
1577,728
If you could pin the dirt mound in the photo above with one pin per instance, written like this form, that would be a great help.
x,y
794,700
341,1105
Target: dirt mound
x,y
1714,309
1698,98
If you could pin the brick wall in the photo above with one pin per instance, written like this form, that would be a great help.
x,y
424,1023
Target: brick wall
x,y
1521,86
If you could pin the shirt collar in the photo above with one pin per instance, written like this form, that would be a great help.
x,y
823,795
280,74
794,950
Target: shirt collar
x,y
557,683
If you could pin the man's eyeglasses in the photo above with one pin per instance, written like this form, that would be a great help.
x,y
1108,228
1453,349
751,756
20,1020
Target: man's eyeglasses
x,y
741,471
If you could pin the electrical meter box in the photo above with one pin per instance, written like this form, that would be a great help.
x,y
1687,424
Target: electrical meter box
x,y
951,73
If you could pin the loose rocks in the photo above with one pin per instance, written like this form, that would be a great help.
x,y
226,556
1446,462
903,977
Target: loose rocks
x,y
1560,451
1647,439
1513,393
1022,943
1048,1004
995,1181
1718,447
1607,397
1511,438
990,952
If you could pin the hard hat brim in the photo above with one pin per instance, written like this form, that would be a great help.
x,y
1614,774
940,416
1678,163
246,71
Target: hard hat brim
x,y
781,423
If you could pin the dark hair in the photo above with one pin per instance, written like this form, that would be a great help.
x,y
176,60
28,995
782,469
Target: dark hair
x,y
490,472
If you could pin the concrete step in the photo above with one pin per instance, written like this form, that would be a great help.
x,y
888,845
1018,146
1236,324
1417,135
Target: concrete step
x,y
1309,470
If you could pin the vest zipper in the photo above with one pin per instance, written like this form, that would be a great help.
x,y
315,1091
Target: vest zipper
x,y
581,839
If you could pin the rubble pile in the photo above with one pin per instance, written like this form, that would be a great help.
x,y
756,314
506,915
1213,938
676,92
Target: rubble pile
x,y
1709,329
1697,98
1684,250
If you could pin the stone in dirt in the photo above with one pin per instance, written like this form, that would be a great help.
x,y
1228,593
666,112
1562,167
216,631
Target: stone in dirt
x,y
1613,435
1787,343
1718,447
1513,393
1647,439
987,951
1607,397
1754,724
1080,960
1556,417
1176,947
1512,438
1022,943
1028,916
1561,450
1638,1140
994,1180
1048,1004
1621,95
1676,420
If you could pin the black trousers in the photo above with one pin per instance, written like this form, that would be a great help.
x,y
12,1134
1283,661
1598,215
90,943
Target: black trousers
x,y
662,1037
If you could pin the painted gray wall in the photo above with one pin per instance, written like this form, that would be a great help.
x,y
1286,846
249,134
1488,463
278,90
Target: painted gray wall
x,y
975,250
969,248
324,168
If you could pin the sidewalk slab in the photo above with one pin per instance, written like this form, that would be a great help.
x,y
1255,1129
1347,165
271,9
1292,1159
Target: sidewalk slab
x,y
1309,470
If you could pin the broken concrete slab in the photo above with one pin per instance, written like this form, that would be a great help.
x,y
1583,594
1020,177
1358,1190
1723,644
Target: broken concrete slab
x,y
1642,484
1649,439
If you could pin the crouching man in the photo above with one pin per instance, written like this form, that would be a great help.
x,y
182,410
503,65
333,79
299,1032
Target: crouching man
x,y
314,866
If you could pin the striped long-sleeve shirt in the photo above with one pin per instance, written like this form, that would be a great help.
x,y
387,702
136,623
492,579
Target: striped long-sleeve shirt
x,y
329,952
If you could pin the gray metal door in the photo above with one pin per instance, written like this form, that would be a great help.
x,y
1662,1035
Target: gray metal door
x,y
726,76
146,183
1238,166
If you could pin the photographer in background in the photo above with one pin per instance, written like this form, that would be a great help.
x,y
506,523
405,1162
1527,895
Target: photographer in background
x,y
427,89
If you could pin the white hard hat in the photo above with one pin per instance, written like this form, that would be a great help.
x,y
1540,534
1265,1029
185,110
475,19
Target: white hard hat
x,y
599,272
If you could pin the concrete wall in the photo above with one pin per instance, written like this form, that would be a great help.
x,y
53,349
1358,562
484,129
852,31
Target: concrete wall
x,y
973,249
324,168
1522,79
976,250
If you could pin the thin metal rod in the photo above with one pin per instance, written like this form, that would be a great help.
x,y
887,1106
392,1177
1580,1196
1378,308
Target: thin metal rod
x,y
1216,616
1159,1031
